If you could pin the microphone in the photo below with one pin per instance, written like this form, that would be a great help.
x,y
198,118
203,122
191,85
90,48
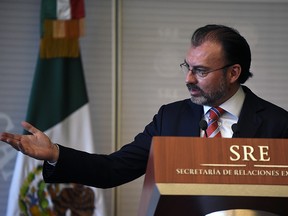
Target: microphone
x,y
203,126
234,128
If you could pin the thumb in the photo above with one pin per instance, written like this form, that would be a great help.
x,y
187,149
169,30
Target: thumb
x,y
30,128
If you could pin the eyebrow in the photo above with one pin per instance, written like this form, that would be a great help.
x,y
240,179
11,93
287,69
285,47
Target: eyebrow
x,y
196,66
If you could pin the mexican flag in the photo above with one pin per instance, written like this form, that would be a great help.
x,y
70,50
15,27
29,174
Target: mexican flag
x,y
59,107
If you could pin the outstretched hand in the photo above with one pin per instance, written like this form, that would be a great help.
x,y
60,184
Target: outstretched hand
x,y
37,145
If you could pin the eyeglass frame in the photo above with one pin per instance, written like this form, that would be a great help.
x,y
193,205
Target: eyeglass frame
x,y
200,72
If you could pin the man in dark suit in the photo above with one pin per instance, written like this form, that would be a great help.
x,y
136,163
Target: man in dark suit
x,y
216,66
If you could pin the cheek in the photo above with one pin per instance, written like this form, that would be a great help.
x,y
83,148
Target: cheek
x,y
208,85
213,84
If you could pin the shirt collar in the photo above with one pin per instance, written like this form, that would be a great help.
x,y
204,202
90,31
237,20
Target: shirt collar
x,y
233,105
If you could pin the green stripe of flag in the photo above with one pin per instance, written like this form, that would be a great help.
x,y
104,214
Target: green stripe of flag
x,y
58,90
48,11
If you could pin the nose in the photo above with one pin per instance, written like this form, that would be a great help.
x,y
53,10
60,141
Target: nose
x,y
191,78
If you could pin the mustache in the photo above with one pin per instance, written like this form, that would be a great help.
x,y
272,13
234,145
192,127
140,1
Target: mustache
x,y
193,87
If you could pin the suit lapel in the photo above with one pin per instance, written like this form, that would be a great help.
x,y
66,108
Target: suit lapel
x,y
249,119
192,119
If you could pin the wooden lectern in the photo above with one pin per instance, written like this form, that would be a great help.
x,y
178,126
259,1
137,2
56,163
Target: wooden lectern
x,y
199,176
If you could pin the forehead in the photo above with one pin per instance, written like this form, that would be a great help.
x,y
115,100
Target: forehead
x,y
206,53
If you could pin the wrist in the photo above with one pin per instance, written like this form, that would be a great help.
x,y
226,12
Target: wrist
x,y
55,154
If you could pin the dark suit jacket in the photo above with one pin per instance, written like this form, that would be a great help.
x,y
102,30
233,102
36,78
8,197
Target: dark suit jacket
x,y
258,119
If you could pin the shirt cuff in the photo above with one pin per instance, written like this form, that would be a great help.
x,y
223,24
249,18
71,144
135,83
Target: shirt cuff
x,y
54,163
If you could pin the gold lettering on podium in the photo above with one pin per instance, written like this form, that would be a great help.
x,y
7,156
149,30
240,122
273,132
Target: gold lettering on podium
x,y
247,153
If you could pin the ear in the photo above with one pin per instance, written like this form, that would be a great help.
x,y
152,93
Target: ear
x,y
234,73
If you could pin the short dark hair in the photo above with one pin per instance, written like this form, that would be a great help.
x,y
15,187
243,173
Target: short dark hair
x,y
235,47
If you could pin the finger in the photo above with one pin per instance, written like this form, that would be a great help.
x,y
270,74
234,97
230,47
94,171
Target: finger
x,y
30,128
11,137
12,142
3,137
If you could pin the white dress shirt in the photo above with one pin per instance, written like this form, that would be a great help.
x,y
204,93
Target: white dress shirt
x,y
233,108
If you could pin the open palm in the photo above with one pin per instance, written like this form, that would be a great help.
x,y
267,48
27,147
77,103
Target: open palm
x,y
36,145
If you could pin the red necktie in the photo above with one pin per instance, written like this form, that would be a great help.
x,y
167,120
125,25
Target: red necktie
x,y
214,115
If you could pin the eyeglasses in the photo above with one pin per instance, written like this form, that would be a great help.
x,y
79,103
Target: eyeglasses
x,y
199,71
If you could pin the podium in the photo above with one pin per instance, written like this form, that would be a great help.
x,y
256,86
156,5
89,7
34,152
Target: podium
x,y
202,176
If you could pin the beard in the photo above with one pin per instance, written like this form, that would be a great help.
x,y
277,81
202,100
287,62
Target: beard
x,y
208,98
